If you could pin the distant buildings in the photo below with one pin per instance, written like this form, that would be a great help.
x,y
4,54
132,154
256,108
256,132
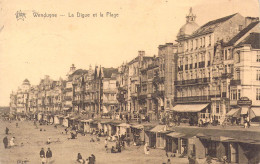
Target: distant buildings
x,y
211,72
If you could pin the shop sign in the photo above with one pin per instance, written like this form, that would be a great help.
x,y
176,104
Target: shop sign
x,y
244,101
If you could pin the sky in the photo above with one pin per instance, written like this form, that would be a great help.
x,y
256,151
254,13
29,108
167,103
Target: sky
x,y
35,46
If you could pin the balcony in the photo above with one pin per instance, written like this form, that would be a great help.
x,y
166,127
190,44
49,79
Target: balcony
x,y
193,81
110,101
235,82
192,99
226,75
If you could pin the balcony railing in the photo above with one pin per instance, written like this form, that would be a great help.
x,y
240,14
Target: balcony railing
x,y
196,98
192,99
235,82
192,81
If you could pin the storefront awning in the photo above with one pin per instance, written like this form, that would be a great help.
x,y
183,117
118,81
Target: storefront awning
x,y
189,107
234,112
176,135
255,111
159,128
244,110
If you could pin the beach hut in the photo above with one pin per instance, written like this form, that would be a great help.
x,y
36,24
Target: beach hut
x,y
56,120
157,136
123,129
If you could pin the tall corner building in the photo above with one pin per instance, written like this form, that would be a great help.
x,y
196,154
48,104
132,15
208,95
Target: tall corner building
x,y
201,77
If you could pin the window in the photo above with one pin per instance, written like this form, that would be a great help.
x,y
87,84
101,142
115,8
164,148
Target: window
x,y
258,75
238,94
200,42
233,95
203,44
258,57
210,40
209,58
238,74
257,93
217,107
187,45
191,44
197,43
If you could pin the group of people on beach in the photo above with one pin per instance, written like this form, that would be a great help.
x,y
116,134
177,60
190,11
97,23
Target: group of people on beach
x,y
91,159
5,140
45,158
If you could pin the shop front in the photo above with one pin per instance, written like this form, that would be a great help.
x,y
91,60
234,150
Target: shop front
x,y
191,113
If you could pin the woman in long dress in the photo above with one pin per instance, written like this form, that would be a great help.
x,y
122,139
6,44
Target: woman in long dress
x,y
146,149
12,142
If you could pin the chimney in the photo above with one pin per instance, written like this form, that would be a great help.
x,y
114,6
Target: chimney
x,y
141,54
72,68
249,20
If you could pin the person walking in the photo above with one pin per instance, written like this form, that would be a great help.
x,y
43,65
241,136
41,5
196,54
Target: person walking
x,y
6,131
48,155
5,141
146,149
42,156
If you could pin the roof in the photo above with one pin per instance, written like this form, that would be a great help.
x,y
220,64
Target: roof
x,y
159,128
238,135
107,72
79,72
253,39
211,25
176,134
144,58
242,33
189,107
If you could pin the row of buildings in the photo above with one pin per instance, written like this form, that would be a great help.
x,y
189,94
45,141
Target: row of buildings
x,y
211,72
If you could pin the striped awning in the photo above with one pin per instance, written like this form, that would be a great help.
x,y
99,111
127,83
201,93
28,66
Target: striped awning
x,y
244,110
189,107
234,112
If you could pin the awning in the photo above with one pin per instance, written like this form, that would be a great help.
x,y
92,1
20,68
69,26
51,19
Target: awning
x,y
176,135
124,125
244,110
159,128
105,109
254,112
221,138
203,136
137,126
189,107
234,112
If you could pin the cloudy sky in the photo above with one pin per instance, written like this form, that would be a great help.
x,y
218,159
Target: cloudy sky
x,y
34,47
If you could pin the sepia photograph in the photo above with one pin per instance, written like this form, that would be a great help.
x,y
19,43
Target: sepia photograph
x,y
130,82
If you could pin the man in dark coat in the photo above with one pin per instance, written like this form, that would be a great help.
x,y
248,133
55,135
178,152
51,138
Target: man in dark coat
x,y
6,130
5,141
48,155
42,155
